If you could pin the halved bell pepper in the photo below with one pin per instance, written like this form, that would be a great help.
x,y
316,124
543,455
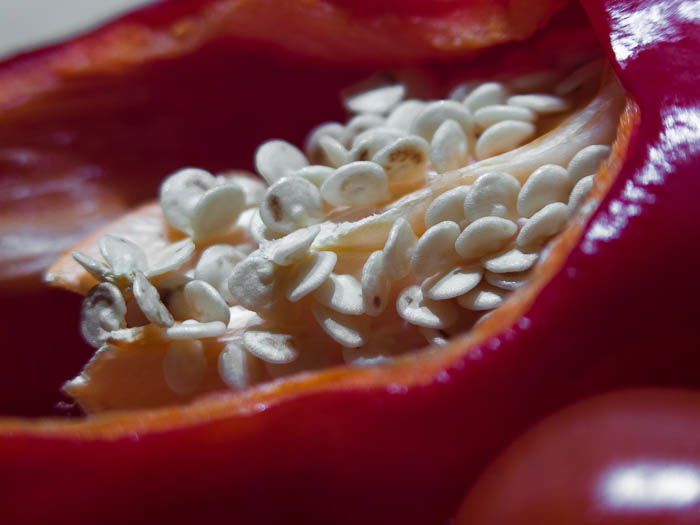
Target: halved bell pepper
x,y
88,127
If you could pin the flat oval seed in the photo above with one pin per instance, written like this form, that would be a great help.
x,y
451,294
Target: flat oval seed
x,y
451,283
507,281
342,293
375,284
543,225
398,250
348,330
254,283
310,274
416,309
403,115
184,365
540,103
449,148
361,123
206,303
580,191
484,236
270,346
492,195
314,174
275,158
404,160
103,311
435,249
253,188
434,337
123,256
291,203
98,270
484,297
447,207
293,247
493,114
171,257
149,301
312,145
377,100
547,184
356,184
332,152
503,136
195,330
587,161
216,265
234,366
180,193
216,212
511,261
435,113
366,145
258,230
486,94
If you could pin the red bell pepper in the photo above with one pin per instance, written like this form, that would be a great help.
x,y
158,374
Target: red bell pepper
x,y
397,444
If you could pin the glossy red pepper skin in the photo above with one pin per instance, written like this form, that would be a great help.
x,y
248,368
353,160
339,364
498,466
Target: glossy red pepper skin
x,y
619,312
628,457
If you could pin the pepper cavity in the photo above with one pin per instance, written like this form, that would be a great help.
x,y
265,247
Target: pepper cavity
x,y
400,228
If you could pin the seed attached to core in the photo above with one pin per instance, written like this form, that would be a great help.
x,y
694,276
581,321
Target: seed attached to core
x,y
392,223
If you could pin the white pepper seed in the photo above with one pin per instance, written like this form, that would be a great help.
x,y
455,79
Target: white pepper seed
x,y
206,303
587,161
493,194
254,283
486,94
495,113
483,297
503,136
309,274
215,266
404,160
580,191
216,212
276,158
449,148
149,301
271,347
291,203
542,226
547,184
484,236
540,103
103,311
510,261
180,193
348,330
435,249
435,113
507,281
398,250
171,257
291,248
342,293
356,184
123,256
403,115
191,329
234,366
184,366
332,152
378,100
447,207
451,283
375,284
418,310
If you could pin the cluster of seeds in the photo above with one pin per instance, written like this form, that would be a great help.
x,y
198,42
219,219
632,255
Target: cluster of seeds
x,y
253,265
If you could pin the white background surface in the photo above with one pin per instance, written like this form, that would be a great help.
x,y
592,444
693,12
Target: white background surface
x,y
25,24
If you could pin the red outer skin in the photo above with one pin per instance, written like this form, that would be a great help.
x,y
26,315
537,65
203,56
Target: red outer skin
x,y
618,313
575,467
